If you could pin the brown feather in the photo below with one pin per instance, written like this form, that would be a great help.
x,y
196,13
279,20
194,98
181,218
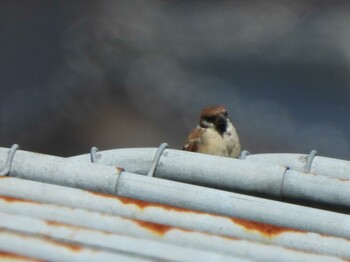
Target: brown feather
x,y
193,140
213,110
214,135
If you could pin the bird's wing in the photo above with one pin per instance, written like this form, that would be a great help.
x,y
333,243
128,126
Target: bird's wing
x,y
194,140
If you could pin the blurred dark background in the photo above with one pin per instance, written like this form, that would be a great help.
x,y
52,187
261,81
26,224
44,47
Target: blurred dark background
x,y
128,73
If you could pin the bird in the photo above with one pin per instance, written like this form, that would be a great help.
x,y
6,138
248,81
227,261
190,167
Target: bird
x,y
215,134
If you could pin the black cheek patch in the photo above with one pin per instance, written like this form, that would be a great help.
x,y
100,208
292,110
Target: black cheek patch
x,y
221,127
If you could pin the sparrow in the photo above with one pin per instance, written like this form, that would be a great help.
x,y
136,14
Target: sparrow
x,y
214,134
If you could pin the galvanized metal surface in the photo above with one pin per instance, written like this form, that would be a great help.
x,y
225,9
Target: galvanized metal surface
x,y
231,204
169,219
151,248
7,256
57,170
116,225
288,225
53,250
112,242
230,174
225,203
324,166
238,175
221,202
193,168
317,189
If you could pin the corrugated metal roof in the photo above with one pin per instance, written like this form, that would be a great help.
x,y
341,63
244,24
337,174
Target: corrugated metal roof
x,y
185,209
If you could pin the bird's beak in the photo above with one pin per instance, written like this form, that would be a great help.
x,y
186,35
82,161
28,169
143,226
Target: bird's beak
x,y
220,119
221,123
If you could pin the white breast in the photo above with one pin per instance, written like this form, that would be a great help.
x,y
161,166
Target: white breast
x,y
232,141
215,144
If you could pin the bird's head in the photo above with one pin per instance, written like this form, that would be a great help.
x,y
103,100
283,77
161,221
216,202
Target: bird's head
x,y
214,117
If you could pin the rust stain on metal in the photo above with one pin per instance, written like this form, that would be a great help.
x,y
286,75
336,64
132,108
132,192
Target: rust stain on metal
x,y
265,229
74,228
59,224
14,257
158,229
72,247
144,204
15,199
54,223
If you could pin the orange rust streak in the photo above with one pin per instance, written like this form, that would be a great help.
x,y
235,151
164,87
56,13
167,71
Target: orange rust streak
x,y
159,229
144,204
72,247
15,257
59,224
54,223
154,227
265,229
15,199
71,227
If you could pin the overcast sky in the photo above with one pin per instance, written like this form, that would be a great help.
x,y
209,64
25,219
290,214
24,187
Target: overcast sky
x,y
76,74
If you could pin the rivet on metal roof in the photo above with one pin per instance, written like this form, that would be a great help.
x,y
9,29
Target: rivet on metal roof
x,y
10,156
310,158
93,155
156,159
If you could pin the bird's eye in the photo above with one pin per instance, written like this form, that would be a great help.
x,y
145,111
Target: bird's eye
x,y
210,118
225,113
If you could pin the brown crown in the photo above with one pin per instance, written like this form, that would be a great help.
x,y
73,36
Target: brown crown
x,y
213,111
